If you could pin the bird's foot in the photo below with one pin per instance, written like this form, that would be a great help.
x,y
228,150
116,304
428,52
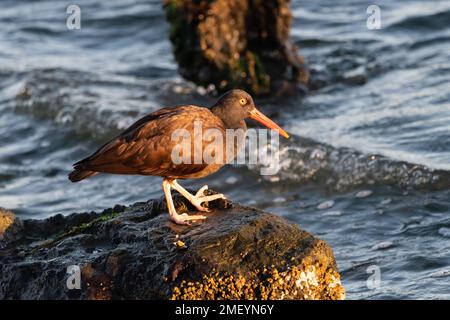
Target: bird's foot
x,y
200,198
201,191
185,219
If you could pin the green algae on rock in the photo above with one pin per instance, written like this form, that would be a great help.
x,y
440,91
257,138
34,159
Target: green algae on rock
x,y
137,253
236,44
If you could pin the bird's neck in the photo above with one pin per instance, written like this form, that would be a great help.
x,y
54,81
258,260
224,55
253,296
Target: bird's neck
x,y
229,122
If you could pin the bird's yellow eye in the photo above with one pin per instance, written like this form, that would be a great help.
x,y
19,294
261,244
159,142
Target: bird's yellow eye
x,y
243,101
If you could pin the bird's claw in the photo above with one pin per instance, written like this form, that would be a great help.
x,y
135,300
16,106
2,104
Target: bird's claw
x,y
186,219
201,208
201,198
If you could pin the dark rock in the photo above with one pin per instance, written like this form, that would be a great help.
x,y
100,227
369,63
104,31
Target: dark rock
x,y
137,253
236,44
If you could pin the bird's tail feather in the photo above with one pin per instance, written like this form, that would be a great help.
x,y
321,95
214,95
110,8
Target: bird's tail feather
x,y
78,175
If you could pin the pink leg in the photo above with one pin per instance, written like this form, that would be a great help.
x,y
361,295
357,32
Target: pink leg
x,y
174,216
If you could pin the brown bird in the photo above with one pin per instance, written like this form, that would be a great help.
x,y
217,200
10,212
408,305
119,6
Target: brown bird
x,y
151,146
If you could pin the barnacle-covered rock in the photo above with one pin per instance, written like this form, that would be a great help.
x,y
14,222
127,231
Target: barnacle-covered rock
x,y
236,44
137,253
10,226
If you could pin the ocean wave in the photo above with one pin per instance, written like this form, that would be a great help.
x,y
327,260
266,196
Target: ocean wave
x,y
307,161
431,22
348,64
86,103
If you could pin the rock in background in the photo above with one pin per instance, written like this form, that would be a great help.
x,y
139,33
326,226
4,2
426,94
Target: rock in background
x,y
236,44
10,227
137,253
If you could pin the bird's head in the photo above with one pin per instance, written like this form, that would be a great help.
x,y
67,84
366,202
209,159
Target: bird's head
x,y
236,105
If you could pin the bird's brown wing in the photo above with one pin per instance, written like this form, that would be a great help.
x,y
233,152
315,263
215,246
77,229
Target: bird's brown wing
x,y
146,146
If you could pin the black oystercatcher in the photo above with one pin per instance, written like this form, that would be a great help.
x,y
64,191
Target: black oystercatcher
x,y
147,147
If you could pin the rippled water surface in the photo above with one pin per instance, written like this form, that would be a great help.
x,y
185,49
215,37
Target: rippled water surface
x,y
367,168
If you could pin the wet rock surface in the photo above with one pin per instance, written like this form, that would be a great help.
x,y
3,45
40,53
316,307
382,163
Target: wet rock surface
x,y
236,44
137,253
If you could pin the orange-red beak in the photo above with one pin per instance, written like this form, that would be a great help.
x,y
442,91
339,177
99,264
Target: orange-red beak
x,y
258,116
